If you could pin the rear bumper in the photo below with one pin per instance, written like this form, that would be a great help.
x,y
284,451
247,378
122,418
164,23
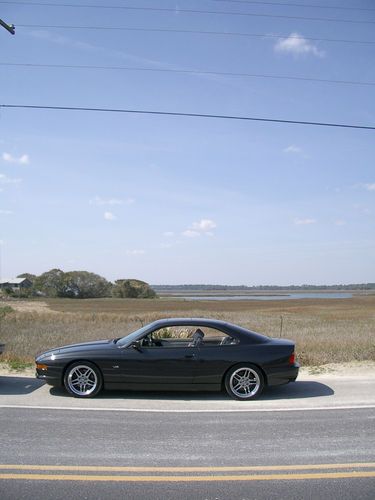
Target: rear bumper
x,y
283,376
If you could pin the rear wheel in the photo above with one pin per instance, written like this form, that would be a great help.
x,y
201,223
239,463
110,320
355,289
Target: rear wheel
x,y
83,379
244,382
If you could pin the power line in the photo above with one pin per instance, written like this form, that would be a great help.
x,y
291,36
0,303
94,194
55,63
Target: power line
x,y
199,32
283,4
192,115
243,2
188,11
189,72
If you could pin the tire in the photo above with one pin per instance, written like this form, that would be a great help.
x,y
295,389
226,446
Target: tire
x,y
244,382
83,379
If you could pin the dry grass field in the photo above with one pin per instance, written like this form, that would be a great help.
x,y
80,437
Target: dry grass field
x,y
325,330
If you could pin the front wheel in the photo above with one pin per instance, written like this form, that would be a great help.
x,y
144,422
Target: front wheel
x,y
83,380
244,382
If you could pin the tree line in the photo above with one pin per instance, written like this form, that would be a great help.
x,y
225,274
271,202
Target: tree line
x,y
82,285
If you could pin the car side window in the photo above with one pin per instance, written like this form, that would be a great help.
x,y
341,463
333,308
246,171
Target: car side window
x,y
214,338
187,336
171,336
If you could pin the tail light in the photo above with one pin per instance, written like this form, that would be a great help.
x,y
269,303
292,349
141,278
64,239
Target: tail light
x,y
292,358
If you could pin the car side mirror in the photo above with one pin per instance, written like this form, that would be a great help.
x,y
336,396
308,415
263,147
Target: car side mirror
x,y
136,345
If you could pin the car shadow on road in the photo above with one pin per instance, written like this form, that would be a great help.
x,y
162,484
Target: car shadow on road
x,y
150,395
295,390
298,390
18,385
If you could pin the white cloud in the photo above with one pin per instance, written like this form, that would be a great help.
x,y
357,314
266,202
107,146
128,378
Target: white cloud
x,y
369,187
111,201
5,212
4,179
135,252
204,226
21,160
189,233
297,45
168,234
109,216
304,222
292,149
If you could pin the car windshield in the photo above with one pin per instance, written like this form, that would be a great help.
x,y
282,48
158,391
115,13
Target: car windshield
x,y
128,339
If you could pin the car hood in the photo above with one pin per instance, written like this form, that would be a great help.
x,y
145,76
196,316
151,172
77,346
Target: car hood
x,y
84,346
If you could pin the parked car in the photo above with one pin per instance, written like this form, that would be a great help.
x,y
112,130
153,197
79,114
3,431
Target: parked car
x,y
173,354
2,348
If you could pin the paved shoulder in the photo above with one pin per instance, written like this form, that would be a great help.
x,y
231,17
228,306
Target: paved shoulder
x,y
310,392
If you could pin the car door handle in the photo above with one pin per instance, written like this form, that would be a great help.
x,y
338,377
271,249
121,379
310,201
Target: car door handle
x,y
189,356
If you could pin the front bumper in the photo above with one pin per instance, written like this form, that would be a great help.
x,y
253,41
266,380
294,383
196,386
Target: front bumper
x,y
52,375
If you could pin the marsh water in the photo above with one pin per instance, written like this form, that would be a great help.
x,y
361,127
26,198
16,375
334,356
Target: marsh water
x,y
283,296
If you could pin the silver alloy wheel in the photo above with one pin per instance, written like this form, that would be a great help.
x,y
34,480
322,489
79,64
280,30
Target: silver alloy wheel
x,y
82,380
244,382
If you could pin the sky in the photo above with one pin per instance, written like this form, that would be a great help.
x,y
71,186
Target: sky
x,y
173,199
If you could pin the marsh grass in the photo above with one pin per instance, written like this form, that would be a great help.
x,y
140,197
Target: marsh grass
x,y
325,330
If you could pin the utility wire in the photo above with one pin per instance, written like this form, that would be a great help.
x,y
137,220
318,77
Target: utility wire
x,y
283,4
243,2
188,11
199,32
189,72
193,115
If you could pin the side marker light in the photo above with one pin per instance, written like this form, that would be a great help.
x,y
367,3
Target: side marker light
x,y
42,367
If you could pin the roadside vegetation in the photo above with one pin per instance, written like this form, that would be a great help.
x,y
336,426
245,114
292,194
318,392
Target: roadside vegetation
x,y
325,330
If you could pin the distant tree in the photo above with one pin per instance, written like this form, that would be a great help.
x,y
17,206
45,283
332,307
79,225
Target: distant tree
x,y
50,283
84,285
30,277
132,289
75,284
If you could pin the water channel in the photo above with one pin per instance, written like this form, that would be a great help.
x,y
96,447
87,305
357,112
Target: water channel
x,y
283,296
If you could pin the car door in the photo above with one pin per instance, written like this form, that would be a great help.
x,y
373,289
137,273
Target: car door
x,y
214,359
164,366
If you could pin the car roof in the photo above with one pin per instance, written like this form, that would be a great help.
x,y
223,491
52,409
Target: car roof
x,y
190,321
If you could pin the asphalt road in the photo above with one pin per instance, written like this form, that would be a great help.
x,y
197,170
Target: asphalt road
x,y
306,454
56,447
